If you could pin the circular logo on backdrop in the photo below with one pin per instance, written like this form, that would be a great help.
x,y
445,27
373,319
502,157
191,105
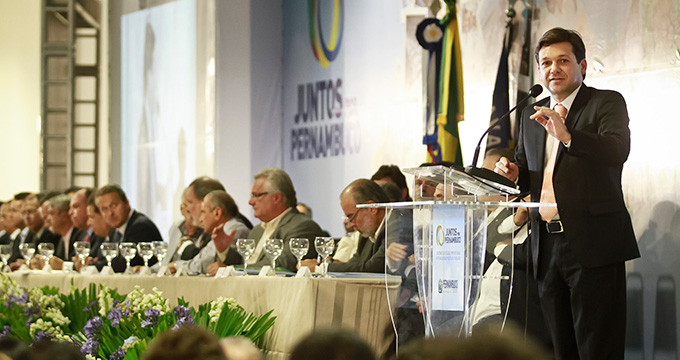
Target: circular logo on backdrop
x,y
440,235
326,51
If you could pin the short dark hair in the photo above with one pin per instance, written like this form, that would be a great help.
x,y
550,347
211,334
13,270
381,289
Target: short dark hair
x,y
22,195
44,196
185,343
112,188
558,35
204,185
364,190
392,191
71,189
334,344
394,173
224,201
52,350
91,201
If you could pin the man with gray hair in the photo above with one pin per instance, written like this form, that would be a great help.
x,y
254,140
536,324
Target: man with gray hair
x,y
370,223
60,223
273,200
218,212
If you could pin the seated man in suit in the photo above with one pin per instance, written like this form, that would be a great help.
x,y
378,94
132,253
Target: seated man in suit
x,y
218,211
37,231
100,233
182,233
273,200
14,223
127,225
193,197
370,222
391,174
60,224
78,211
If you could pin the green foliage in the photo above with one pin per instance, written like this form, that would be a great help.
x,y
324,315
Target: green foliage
x,y
125,322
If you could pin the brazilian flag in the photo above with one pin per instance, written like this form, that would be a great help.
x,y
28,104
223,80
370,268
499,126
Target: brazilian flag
x,y
450,107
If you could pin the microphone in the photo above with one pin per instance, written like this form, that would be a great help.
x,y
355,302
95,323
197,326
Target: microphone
x,y
487,174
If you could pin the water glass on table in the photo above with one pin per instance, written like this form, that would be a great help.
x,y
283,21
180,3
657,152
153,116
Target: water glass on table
x,y
145,250
128,251
324,246
160,249
109,250
273,248
299,247
246,248
5,254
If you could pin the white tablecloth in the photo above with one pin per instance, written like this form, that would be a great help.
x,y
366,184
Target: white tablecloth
x,y
300,304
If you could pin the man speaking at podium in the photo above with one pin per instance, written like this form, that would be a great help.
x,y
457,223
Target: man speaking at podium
x,y
570,151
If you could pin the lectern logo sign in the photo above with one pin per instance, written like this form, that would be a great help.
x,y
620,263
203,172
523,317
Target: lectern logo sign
x,y
440,235
324,52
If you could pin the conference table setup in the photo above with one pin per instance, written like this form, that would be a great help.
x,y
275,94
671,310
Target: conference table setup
x,y
360,302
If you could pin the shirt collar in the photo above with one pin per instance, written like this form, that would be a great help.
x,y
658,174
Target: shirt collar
x,y
67,236
275,221
123,227
566,102
377,231
15,233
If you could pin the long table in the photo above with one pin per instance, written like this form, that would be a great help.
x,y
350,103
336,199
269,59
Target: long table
x,y
300,304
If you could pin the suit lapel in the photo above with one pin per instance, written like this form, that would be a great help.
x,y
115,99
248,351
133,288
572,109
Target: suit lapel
x,y
574,115
129,224
284,220
538,135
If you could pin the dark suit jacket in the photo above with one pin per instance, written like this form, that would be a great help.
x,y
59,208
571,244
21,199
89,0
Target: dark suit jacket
x,y
369,257
292,225
139,229
16,254
60,251
587,177
192,250
45,237
5,239
233,258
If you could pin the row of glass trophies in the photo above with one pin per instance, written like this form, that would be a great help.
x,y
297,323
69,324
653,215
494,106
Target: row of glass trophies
x,y
298,246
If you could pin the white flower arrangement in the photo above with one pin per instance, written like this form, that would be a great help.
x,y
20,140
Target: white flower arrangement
x,y
57,317
217,305
9,287
105,300
47,327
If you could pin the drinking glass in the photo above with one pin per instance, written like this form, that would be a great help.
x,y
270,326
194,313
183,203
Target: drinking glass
x,y
324,246
110,251
273,248
145,250
82,250
245,247
128,250
5,254
299,247
160,249
27,251
46,250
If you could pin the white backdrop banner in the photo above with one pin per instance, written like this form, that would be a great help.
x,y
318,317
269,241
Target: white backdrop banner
x,y
347,106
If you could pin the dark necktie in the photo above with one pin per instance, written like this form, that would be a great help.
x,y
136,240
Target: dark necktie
x,y
117,236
